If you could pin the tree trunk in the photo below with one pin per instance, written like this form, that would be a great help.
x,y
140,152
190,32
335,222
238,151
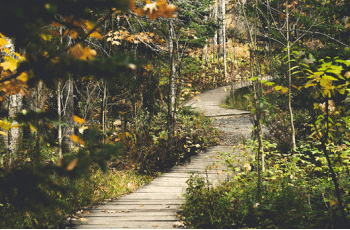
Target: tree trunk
x,y
59,113
37,104
224,38
172,87
67,118
290,81
255,72
221,31
103,109
14,135
215,38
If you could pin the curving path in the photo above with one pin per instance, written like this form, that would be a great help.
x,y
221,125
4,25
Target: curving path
x,y
156,204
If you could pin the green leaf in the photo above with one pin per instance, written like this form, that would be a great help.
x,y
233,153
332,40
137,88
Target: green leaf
x,y
294,67
346,62
309,84
253,79
269,83
328,77
278,87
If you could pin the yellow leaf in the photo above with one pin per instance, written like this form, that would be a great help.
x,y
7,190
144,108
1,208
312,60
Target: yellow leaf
x,y
79,52
79,120
5,125
96,34
32,128
46,37
9,64
3,133
72,164
23,77
89,25
73,33
3,42
76,139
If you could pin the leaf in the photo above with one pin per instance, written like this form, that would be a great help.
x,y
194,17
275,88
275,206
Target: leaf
x,y
346,62
284,90
278,87
46,37
32,128
79,120
96,34
79,52
253,79
23,77
294,67
5,125
3,42
73,33
77,139
10,63
310,84
269,83
154,9
3,133
72,164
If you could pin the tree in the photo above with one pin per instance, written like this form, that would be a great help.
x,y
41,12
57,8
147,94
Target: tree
x,y
44,32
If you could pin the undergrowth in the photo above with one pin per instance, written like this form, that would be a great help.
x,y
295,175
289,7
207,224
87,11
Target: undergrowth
x,y
77,194
70,185
239,99
296,193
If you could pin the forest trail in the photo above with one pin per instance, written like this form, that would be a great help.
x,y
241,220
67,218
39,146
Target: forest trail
x,y
156,204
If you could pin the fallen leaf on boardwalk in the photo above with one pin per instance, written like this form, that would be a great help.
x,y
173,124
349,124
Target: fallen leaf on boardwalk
x,y
104,211
83,219
86,212
141,205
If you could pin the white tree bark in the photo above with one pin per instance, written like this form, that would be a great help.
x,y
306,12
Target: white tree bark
x,y
15,104
68,112
172,86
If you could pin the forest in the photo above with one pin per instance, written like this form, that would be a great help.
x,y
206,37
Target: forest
x,y
92,98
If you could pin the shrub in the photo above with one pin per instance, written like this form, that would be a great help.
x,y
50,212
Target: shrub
x,y
292,196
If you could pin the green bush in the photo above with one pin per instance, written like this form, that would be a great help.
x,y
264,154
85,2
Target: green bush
x,y
293,195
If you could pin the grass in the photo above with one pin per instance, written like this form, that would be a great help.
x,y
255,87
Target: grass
x,y
82,193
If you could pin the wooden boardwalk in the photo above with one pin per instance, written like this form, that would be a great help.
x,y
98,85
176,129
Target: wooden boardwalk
x,y
156,204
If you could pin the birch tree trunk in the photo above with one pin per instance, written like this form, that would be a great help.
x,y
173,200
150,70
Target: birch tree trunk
x,y
67,118
215,38
172,86
103,109
59,113
290,81
15,104
221,15
14,135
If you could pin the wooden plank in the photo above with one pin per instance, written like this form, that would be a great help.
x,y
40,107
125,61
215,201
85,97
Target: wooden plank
x,y
106,220
119,213
132,225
